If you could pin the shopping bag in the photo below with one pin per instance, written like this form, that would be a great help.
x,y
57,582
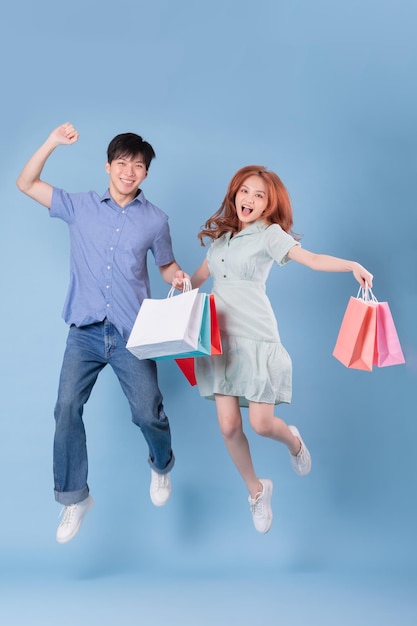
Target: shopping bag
x,y
355,343
387,344
171,327
215,339
203,347
187,365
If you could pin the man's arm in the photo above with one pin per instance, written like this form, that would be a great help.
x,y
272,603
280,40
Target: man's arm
x,y
172,272
29,180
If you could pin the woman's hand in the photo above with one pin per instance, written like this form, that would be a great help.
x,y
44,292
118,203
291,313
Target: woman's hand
x,y
362,275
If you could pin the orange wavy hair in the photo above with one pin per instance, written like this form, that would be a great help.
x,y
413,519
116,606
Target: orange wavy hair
x,y
278,210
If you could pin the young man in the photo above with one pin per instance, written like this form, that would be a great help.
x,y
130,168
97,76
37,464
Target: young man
x,y
110,237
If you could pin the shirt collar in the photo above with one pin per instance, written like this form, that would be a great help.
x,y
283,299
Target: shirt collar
x,y
140,198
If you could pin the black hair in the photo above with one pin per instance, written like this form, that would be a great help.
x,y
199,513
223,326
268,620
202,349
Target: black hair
x,y
129,144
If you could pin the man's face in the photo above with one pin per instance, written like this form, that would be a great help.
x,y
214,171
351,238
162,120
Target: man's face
x,y
126,175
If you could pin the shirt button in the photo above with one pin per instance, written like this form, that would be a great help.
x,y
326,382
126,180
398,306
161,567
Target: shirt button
x,y
117,230
107,286
107,305
108,267
111,248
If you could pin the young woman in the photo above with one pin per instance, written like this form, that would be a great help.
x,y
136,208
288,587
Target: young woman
x,y
251,231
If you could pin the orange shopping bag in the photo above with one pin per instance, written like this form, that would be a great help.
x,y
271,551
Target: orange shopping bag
x,y
187,365
356,339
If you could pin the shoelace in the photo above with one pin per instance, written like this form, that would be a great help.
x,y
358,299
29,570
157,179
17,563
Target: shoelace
x,y
302,456
160,480
256,506
67,513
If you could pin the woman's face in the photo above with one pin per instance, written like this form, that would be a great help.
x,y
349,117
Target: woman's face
x,y
251,200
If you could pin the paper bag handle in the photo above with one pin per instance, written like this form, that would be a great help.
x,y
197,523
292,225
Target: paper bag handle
x,y
186,286
366,294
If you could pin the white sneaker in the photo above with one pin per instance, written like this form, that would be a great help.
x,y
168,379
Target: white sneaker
x,y
261,507
72,517
301,462
160,488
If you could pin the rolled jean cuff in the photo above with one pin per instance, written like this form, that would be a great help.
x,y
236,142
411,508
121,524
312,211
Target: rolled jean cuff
x,y
71,497
166,469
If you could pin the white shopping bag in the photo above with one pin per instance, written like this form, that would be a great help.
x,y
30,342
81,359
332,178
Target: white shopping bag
x,y
169,327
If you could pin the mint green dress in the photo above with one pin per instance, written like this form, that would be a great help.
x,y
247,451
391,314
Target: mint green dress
x,y
254,365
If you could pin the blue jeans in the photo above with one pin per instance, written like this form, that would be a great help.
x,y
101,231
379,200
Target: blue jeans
x,y
89,349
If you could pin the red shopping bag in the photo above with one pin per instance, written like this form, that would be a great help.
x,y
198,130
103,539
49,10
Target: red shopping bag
x,y
216,342
187,365
188,369
355,343
387,344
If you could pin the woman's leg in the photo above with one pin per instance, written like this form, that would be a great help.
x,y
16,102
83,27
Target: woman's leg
x,y
264,423
260,490
230,421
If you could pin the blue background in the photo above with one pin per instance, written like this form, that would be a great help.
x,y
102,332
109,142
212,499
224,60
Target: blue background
x,y
325,94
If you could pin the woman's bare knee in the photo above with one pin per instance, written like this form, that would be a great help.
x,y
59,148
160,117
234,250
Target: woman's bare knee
x,y
229,416
262,425
230,426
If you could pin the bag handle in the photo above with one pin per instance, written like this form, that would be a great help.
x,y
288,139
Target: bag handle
x,y
366,294
186,286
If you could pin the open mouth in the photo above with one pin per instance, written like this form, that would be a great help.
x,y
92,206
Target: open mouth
x,y
246,210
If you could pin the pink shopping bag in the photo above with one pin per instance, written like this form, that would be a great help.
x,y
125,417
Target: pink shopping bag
x,y
387,344
355,343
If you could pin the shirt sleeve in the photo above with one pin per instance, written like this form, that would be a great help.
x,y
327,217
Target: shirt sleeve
x,y
279,243
162,246
61,205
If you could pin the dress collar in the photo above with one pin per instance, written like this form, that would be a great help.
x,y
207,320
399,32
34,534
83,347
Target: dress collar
x,y
251,229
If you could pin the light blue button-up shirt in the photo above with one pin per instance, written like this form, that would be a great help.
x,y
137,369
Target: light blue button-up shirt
x,y
108,255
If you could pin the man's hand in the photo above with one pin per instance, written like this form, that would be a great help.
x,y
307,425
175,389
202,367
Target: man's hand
x,y
179,278
65,134
29,180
